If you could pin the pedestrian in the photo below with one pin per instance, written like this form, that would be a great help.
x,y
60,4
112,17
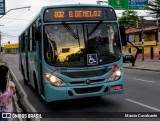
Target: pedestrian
x,y
7,90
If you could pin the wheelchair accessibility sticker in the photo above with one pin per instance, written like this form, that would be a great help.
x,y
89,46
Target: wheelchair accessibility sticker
x,y
92,59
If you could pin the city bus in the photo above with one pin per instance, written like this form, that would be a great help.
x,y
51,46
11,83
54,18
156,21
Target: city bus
x,y
73,51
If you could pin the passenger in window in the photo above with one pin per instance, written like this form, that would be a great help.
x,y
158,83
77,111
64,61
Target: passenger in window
x,y
95,43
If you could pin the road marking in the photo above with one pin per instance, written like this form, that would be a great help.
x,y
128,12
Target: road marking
x,y
146,71
144,105
144,80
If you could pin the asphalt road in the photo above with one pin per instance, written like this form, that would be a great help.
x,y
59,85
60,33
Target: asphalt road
x,y
141,95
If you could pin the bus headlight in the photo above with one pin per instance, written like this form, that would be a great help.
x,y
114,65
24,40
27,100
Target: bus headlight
x,y
55,81
116,75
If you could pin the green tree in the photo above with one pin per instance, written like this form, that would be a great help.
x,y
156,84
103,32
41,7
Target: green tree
x,y
129,18
153,7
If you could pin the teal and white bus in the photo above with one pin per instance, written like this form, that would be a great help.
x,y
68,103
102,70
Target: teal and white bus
x,y
73,51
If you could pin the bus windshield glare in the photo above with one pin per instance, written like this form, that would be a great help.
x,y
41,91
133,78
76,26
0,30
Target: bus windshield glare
x,y
81,44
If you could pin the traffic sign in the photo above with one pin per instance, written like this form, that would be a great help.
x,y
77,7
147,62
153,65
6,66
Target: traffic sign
x,y
138,4
119,4
128,4
2,7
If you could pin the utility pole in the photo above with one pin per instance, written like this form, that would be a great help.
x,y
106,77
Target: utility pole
x,y
142,37
0,43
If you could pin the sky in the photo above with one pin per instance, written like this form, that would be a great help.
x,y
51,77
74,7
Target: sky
x,y
14,22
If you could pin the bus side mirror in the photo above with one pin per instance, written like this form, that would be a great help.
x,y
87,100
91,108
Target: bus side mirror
x,y
123,35
38,35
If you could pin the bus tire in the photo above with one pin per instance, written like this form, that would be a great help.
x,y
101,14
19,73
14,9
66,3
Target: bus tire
x,y
24,79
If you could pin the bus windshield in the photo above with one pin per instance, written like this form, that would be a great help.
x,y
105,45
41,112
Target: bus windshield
x,y
81,44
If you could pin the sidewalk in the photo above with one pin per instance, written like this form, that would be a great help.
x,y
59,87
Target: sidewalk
x,y
149,65
1,60
20,102
14,101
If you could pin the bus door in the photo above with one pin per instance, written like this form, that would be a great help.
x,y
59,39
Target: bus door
x,y
26,57
38,37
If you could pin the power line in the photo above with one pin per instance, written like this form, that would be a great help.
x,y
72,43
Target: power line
x,y
14,19
11,37
14,9
8,34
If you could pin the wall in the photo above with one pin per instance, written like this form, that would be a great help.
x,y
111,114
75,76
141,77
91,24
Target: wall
x,y
11,48
151,50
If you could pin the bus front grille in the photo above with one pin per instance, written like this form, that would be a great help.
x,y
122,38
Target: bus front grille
x,y
83,82
88,90
84,74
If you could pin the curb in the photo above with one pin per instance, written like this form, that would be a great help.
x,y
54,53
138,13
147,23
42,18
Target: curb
x,y
22,101
15,99
17,108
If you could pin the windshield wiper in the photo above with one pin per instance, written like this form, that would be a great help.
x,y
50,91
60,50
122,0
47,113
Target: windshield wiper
x,y
70,30
95,28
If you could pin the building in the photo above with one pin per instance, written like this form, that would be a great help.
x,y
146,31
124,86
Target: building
x,y
151,41
11,48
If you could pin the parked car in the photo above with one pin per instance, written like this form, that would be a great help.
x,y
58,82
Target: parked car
x,y
127,57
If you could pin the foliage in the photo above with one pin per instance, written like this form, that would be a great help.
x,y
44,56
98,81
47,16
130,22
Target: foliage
x,y
154,8
129,18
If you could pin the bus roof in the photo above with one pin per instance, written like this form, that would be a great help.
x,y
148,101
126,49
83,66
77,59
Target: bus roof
x,y
74,5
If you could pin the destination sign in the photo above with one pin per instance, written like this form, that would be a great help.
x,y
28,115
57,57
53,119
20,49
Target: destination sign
x,y
74,14
78,14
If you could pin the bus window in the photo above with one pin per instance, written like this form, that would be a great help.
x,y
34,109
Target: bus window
x,y
33,38
51,50
65,42
30,38
108,44
75,39
23,43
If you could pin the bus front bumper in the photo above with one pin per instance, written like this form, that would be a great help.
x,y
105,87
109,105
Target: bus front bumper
x,y
90,90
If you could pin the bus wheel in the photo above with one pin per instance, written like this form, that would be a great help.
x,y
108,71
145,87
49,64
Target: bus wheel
x,y
24,80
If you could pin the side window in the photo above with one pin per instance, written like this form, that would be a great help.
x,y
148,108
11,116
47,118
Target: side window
x,y
26,40
33,37
22,43
19,40
37,23
30,38
38,28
